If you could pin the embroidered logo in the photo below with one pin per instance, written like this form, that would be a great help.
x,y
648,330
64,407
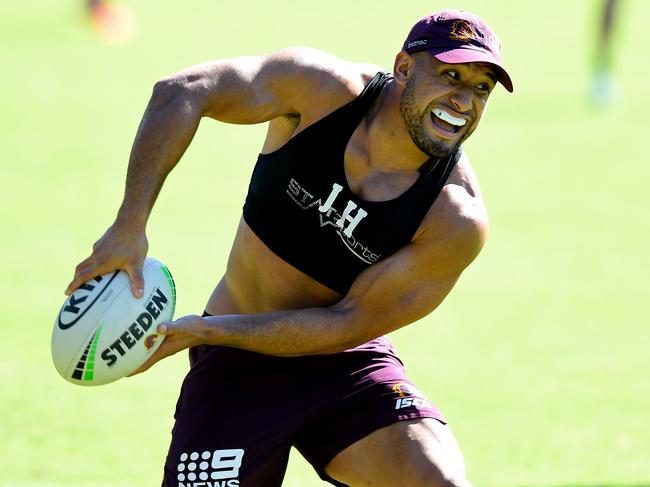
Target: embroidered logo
x,y
409,396
461,30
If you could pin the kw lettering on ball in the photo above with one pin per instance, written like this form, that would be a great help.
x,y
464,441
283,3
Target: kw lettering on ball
x,y
73,303
77,304
136,330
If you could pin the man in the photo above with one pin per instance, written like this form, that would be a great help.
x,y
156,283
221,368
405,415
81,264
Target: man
x,y
362,213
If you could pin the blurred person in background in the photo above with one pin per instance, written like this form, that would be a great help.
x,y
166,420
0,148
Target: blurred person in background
x,y
115,23
603,87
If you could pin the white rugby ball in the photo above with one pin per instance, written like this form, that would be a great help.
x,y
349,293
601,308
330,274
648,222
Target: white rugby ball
x,y
103,332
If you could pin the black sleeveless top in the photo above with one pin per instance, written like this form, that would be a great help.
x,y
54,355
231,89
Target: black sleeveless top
x,y
299,203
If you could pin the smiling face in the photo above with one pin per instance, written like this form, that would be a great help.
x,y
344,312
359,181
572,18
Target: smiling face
x,y
441,104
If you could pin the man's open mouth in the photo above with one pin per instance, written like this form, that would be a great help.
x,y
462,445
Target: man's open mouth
x,y
446,121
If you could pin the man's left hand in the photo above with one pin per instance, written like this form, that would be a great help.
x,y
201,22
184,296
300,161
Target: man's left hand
x,y
177,335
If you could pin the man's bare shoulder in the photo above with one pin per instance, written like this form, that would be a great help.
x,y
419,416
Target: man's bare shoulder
x,y
458,219
318,81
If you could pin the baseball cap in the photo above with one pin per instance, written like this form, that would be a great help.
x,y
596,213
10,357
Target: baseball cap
x,y
456,36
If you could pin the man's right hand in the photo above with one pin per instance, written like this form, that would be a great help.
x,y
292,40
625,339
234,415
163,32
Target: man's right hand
x,y
119,248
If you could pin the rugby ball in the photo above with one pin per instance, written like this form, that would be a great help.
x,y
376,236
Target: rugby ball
x,y
103,332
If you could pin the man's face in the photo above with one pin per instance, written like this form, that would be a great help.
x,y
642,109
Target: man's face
x,y
442,103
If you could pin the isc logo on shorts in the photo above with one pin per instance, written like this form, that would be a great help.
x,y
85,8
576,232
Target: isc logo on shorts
x,y
409,396
218,468
417,402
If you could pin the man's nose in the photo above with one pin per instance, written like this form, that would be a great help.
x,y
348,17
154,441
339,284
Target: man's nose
x,y
461,98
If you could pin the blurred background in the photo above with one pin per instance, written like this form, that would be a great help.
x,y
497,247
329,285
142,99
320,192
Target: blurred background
x,y
540,358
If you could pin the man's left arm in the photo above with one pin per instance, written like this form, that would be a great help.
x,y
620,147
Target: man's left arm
x,y
386,296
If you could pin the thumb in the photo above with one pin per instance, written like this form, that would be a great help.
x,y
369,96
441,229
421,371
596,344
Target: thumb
x,y
137,281
166,328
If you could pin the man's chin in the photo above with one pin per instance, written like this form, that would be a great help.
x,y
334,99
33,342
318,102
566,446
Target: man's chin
x,y
441,149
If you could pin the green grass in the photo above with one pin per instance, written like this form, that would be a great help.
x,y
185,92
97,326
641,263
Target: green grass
x,y
539,358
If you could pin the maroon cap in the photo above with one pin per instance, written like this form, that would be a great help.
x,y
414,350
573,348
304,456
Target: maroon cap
x,y
455,36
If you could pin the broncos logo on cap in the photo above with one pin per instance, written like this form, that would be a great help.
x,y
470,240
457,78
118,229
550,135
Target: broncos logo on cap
x,y
461,30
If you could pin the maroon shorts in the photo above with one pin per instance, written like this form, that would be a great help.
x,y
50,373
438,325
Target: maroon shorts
x,y
239,413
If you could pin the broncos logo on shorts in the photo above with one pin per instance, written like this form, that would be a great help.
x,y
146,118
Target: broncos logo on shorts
x,y
409,396
402,389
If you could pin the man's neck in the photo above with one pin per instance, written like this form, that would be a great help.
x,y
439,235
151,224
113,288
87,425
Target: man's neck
x,y
384,136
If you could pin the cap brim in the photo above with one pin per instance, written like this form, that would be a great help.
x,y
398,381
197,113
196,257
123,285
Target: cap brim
x,y
465,55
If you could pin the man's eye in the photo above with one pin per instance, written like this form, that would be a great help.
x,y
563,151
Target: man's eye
x,y
453,75
483,88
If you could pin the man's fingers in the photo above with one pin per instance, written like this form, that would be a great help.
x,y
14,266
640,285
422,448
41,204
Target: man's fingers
x,y
166,328
82,276
72,287
158,355
93,267
137,280
84,263
165,350
177,335
145,366
76,282
182,327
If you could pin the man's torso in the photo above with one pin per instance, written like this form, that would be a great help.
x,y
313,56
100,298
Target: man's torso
x,y
257,279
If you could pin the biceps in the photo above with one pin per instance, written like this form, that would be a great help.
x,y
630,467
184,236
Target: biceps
x,y
242,91
396,292
238,90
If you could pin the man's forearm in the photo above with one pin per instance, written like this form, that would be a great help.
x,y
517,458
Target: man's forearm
x,y
167,128
288,333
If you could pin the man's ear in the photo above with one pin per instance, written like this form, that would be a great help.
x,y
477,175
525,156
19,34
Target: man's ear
x,y
403,67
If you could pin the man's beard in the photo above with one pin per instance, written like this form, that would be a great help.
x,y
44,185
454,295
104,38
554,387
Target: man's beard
x,y
415,123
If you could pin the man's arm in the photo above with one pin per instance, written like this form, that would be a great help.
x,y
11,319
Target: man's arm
x,y
295,81
386,296
245,90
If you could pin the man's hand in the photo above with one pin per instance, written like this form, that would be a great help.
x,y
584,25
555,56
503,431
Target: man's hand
x,y
183,333
119,248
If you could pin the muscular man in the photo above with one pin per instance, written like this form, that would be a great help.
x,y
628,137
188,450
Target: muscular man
x,y
361,214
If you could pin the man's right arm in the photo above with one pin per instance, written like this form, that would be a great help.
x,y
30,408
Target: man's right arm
x,y
295,81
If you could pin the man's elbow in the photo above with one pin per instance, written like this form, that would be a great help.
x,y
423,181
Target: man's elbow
x,y
176,89
357,325
166,90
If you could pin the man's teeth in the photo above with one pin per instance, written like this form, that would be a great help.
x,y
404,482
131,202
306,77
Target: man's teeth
x,y
447,117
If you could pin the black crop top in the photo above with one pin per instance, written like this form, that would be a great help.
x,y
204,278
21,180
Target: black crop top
x,y
299,203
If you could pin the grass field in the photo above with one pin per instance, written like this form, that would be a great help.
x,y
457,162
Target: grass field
x,y
540,358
